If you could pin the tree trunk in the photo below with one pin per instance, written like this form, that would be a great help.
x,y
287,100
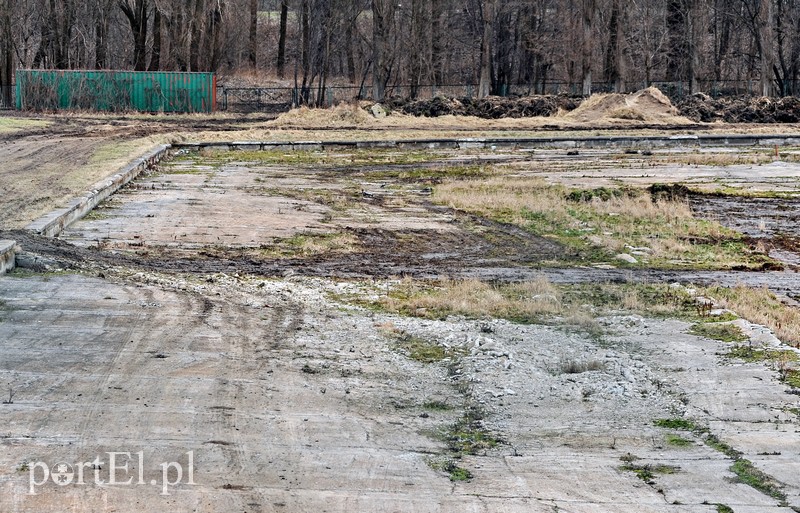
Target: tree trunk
x,y
588,11
196,22
766,46
155,58
437,41
282,38
101,35
350,52
613,65
137,18
485,82
418,34
691,44
722,30
253,53
6,53
382,18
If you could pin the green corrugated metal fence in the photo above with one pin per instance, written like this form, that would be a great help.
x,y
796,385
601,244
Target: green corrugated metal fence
x,y
116,91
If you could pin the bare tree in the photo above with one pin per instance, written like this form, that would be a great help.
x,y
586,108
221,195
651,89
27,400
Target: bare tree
x,y
588,11
137,15
382,22
485,81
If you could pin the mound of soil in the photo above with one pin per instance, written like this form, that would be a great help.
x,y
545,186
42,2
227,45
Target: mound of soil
x,y
492,107
741,109
342,115
649,105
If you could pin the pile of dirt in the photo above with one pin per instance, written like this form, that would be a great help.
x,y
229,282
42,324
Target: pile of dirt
x,y
741,109
648,105
493,107
342,115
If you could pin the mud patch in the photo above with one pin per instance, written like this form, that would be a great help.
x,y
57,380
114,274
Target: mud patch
x,y
773,223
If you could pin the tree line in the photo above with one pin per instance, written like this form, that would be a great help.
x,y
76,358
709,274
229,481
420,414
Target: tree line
x,y
494,44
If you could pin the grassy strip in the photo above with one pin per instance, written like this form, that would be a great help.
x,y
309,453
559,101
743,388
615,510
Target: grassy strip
x,y
533,301
744,469
716,331
600,223
762,307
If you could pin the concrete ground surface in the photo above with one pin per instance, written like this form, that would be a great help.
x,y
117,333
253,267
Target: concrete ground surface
x,y
290,402
277,394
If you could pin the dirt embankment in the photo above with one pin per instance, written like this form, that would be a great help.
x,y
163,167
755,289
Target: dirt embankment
x,y
741,109
648,105
488,108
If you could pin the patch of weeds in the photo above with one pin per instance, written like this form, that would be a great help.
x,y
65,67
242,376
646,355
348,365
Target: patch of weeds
x,y
647,472
678,441
748,353
436,406
425,351
743,468
718,445
310,244
676,423
469,436
24,466
724,317
601,194
597,224
792,378
751,476
95,215
449,467
717,331
723,508
761,306
432,174
353,158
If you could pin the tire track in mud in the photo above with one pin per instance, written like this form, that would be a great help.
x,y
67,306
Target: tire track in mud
x,y
388,264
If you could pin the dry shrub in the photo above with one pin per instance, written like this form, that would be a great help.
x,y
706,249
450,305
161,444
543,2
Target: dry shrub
x,y
761,306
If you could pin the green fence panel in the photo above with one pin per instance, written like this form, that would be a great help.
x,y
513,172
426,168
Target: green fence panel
x,y
116,91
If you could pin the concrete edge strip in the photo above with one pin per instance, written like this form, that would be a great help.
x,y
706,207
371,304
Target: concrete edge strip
x,y
8,253
53,223
543,142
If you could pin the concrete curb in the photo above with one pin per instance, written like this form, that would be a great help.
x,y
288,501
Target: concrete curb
x,y
55,222
8,255
543,142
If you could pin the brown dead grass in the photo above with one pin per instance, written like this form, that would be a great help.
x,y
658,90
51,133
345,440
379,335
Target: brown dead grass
x,y
610,224
475,298
761,306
